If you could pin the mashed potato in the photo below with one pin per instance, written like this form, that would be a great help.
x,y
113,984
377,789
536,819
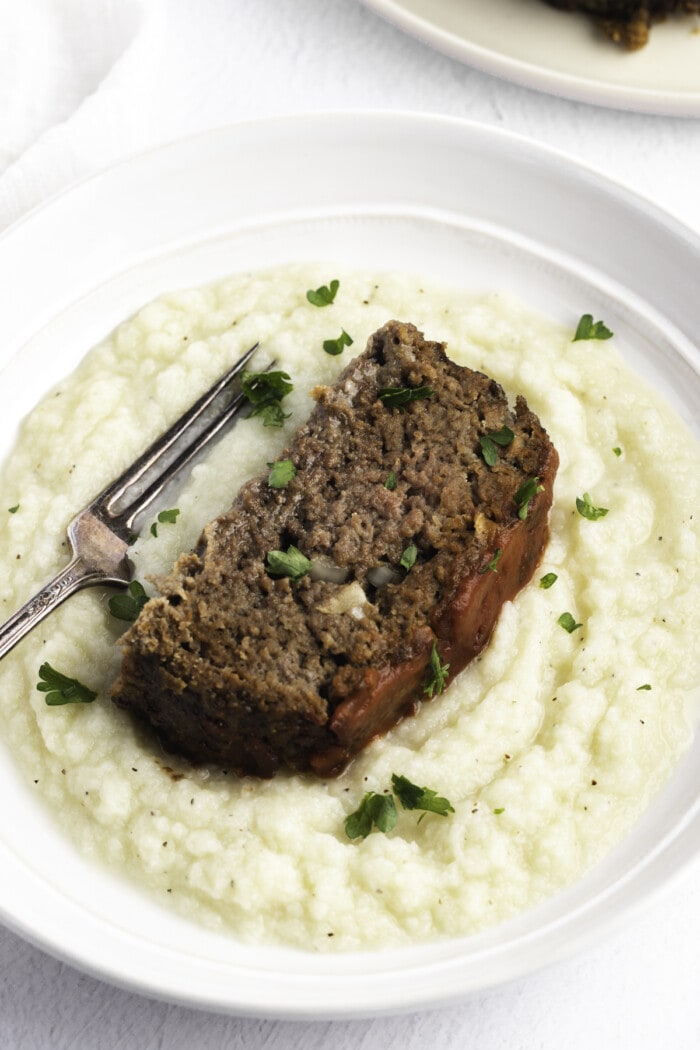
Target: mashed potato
x,y
548,746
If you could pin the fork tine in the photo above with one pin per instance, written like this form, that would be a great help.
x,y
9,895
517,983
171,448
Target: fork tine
x,y
155,457
126,515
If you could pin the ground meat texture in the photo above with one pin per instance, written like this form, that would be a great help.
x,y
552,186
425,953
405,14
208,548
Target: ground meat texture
x,y
628,22
233,666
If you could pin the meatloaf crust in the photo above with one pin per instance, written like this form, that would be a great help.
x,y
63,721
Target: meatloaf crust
x,y
627,22
234,666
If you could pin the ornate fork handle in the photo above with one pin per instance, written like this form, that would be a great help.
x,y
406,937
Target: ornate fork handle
x,y
72,578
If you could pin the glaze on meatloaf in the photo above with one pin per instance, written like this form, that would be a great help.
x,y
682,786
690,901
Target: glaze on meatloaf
x,y
628,22
252,671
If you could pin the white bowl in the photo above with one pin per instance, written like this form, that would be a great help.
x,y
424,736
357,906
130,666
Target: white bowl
x,y
441,197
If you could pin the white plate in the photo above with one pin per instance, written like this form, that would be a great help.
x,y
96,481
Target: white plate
x,y
559,52
450,200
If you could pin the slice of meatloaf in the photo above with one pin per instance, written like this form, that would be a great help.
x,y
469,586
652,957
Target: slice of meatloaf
x,y
241,667
628,22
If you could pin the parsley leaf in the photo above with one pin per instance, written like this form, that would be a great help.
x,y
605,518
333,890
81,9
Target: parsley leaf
x,y
567,621
437,674
324,295
488,451
390,482
60,689
413,797
590,329
282,472
375,809
399,396
617,450
492,565
335,346
291,563
13,510
265,391
645,686
128,606
548,580
587,510
525,494
169,516
272,414
166,517
502,437
408,558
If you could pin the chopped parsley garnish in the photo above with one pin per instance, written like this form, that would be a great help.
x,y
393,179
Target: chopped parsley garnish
x,y
437,674
525,494
502,437
493,564
281,473
324,295
375,810
567,621
166,517
489,452
587,510
335,346
60,689
399,396
390,482
548,580
617,450
378,810
408,558
291,563
169,516
499,810
413,797
128,606
645,686
265,391
13,510
590,329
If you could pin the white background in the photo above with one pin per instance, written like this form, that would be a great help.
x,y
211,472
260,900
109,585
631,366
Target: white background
x,y
86,82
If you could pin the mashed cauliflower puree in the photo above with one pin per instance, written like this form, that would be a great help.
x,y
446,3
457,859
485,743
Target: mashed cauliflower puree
x,y
548,746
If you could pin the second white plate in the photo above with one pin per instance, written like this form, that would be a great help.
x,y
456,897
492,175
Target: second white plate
x,y
559,52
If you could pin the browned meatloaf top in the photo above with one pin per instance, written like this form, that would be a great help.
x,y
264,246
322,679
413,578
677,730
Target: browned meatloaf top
x,y
627,22
234,665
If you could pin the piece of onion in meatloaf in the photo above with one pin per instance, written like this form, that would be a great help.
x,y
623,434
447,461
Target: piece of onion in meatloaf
x,y
235,666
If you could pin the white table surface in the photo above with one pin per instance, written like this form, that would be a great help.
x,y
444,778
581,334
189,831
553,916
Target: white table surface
x,y
111,77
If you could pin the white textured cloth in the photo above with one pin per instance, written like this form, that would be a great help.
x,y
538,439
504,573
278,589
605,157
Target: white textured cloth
x,y
84,83
51,58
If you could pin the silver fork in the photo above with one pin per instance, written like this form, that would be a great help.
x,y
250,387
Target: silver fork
x,y
100,534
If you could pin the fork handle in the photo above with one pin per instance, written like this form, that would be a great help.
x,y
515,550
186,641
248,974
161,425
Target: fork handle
x,y
72,578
